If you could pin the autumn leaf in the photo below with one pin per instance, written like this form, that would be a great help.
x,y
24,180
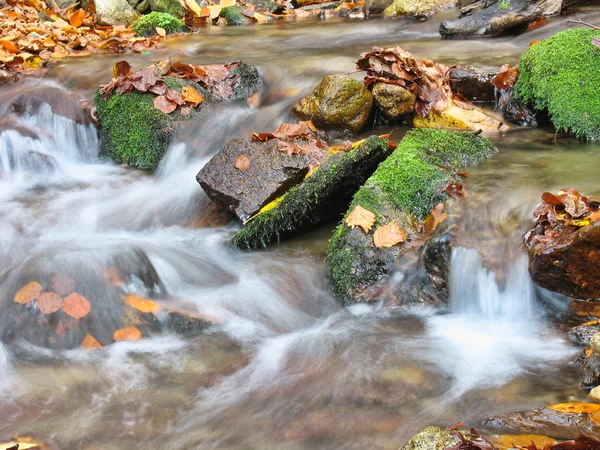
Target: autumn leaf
x,y
242,163
507,77
127,334
551,199
90,342
456,190
77,306
62,284
509,441
49,302
142,304
360,217
462,102
191,95
435,218
113,276
28,293
576,408
9,46
389,235
77,18
121,69
161,31
162,103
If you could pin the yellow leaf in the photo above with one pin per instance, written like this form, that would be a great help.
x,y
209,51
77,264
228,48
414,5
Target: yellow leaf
x,y
142,304
225,3
507,441
127,334
591,322
260,17
90,342
576,408
215,10
389,235
161,31
191,95
360,217
193,6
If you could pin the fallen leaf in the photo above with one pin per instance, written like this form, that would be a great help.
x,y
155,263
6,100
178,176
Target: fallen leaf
x,y
49,302
28,293
161,31
90,342
9,46
77,306
226,3
532,43
507,77
165,105
389,235
576,408
508,441
113,276
62,284
191,95
242,163
127,334
254,100
456,190
435,218
462,102
77,18
551,199
142,304
360,217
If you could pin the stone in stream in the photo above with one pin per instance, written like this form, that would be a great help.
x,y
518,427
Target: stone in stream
x,y
404,188
375,7
337,102
320,198
115,12
395,102
474,83
430,438
418,8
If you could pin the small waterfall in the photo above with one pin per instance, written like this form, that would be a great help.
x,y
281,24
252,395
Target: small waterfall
x,y
475,290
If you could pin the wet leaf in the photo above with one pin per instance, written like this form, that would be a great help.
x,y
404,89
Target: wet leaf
x,y
575,204
551,199
113,276
576,408
581,443
142,304
49,302
77,306
507,77
389,235
191,95
90,342
360,217
508,441
127,334
28,293
254,100
242,163
456,190
162,103
435,218
462,102
77,18
62,284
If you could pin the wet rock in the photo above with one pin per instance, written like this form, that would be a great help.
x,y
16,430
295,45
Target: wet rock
x,y
172,7
430,438
582,334
455,117
23,160
418,8
338,102
61,102
569,265
404,188
393,101
8,76
269,174
595,343
595,393
146,25
249,82
319,199
591,371
515,112
474,83
493,17
142,7
115,12
546,422
376,7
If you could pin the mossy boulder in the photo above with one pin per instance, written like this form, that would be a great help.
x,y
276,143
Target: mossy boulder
x,y
430,438
338,102
561,74
417,8
233,15
321,198
133,131
146,25
172,7
404,188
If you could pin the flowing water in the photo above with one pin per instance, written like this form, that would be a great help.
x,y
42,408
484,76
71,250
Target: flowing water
x,y
286,367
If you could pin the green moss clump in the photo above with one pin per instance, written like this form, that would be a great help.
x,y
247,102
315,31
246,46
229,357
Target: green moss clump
x,y
404,188
561,74
233,15
146,25
172,7
320,198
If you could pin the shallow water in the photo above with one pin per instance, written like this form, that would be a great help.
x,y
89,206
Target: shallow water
x,y
286,367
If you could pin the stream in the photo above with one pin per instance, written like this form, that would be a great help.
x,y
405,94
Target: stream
x,y
287,366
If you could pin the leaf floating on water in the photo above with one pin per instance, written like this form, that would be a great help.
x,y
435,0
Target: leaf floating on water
x,y
62,284
361,217
456,190
127,334
90,342
28,293
77,306
576,408
191,95
49,302
389,235
242,163
142,304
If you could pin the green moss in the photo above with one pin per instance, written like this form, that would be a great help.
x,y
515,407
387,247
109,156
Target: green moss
x,y
172,7
561,74
504,5
320,198
146,25
405,188
233,15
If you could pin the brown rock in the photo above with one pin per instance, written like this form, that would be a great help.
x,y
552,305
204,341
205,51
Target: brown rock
x,y
393,101
474,83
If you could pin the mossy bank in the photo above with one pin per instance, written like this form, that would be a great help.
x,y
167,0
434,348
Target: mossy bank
x,y
404,188
561,74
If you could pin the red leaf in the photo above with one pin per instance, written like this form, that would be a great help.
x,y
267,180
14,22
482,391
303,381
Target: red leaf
x,y
462,102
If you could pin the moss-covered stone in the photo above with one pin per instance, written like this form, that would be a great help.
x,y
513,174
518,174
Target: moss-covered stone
x,y
322,197
404,188
133,131
338,102
172,7
431,438
233,15
561,74
417,8
146,25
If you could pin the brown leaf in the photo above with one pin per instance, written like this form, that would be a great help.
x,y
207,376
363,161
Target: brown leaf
x,y
242,163
165,105
191,95
575,203
389,235
435,218
507,77
28,293
77,306
175,97
90,342
456,190
462,102
62,284
121,69
254,100
551,199
142,304
77,18
361,217
49,302
113,276
127,334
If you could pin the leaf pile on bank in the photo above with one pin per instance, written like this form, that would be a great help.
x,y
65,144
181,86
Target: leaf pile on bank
x,y
560,215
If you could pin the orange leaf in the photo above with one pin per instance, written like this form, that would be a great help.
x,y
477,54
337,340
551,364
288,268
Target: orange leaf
x,y
127,334
242,162
9,46
77,306
28,293
576,408
435,218
360,217
191,95
595,417
507,441
90,342
49,302
593,217
389,235
77,18
142,304
62,284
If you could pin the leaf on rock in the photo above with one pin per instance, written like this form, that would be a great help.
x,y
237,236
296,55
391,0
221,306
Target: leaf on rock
x,y
462,102
575,204
77,18
90,342
162,103
49,302
242,163
389,235
142,304
191,95
361,217
581,443
576,408
28,293
113,276
507,77
551,199
77,306
127,334
508,441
